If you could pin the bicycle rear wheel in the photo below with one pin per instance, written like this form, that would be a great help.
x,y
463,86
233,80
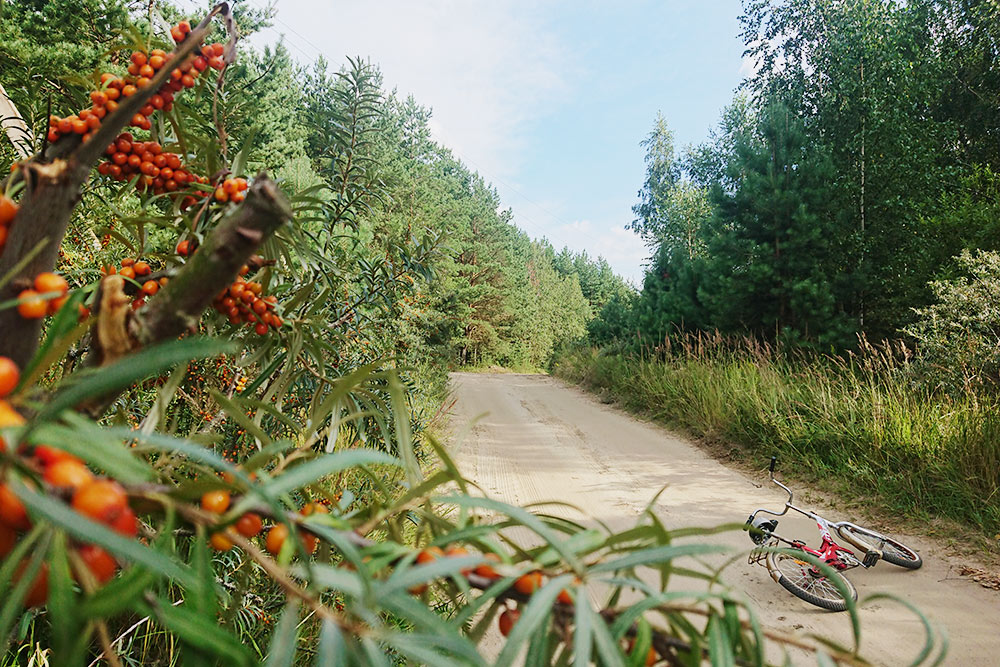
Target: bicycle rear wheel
x,y
802,579
893,551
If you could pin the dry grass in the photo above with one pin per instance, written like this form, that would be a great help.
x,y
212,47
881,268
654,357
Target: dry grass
x,y
863,418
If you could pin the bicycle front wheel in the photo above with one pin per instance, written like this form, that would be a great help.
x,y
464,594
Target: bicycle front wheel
x,y
803,580
893,551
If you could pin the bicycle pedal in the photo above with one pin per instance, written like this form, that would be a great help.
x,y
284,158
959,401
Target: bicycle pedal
x,y
871,557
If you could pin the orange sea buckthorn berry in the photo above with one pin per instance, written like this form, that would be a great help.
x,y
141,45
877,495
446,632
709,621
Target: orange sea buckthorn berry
x,y
249,525
8,417
528,583
10,375
51,282
429,555
220,542
12,512
314,508
216,501
485,569
127,272
150,287
100,563
8,209
8,538
141,268
39,591
68,473
183,248
456,551
126,523
48,456
31,306
139,58
102,500
276,538
507,620
309,541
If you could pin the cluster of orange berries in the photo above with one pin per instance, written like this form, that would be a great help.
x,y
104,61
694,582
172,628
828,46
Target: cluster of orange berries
x,y
8,209
97,498
250,525
242,303
47,295
231,189
139,271
158,170
141,71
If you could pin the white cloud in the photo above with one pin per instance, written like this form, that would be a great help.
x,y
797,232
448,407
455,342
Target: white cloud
x,y
486,69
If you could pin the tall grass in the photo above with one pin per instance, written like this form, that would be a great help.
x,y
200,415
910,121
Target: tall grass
x,y
864,418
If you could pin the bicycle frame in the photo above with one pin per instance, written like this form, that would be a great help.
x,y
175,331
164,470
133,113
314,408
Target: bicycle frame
x,y
829,551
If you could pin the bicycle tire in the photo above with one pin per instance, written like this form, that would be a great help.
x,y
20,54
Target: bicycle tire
x,y
798,578
893,551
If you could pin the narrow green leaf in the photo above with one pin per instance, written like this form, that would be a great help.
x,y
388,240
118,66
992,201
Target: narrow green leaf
x,y
90,531
720,651
151,361
406,578
331,649
526,518
583,634
60,603
640,647
607,648
88,441
200,632
658,555
536,612
312,471
281,652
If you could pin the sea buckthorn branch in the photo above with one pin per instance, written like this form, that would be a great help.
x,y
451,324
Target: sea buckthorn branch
x,y
177,308
53,183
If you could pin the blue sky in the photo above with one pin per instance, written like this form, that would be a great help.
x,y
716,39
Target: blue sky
x,y
547,100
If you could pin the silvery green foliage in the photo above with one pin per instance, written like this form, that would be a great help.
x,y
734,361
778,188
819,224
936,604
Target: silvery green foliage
x,y
959,335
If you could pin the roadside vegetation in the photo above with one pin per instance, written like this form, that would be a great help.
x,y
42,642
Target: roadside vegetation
x,y
230,291
858,418
850,193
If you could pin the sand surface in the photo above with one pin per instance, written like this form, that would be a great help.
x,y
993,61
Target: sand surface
x,y
532,438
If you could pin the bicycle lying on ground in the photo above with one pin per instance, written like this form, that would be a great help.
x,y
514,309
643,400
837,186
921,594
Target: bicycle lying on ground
x,y
801,577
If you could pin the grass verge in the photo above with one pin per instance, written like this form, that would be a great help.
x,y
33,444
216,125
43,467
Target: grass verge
x,y
860,419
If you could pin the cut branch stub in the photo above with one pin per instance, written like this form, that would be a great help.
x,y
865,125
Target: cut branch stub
x,y
178,307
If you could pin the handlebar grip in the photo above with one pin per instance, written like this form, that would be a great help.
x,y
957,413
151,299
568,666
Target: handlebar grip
x,y
774,459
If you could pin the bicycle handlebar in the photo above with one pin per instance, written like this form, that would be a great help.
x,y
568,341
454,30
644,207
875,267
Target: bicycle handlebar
x,y
788,503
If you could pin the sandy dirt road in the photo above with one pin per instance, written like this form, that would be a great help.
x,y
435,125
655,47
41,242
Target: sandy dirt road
x,y
531,438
